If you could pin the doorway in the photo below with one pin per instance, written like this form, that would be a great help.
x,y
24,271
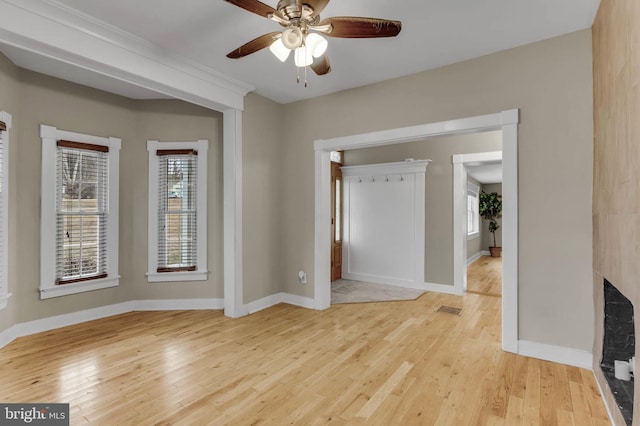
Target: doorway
x,y
484,268
507,122
336,218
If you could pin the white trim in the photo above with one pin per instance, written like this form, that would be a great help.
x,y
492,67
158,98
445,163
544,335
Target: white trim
x,y
59,321
48,289
485,253
295,300
417,285
398,168
559,354
232,181
604,400
201,273
163,277
178,304
510,225
507,121
80,287
442,288
274,299
264,303
73,318
55,31
474,258
5,117
417,133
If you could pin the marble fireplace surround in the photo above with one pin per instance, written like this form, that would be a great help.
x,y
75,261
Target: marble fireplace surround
x,y
618,343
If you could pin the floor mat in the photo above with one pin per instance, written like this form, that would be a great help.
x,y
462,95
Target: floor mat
x,y
346,291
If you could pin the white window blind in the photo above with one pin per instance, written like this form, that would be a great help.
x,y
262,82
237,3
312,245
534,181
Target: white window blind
x,y
177,234
82,210
177,212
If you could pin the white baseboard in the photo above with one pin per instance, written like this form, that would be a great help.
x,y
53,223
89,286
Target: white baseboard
x,y
442,288
485,253
473,258
264,303
274,299
178,304
301,301
59,321
559,354
383,280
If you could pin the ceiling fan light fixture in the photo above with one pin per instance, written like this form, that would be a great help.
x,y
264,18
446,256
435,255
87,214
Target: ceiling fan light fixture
x,y
279,50
303,57
316,44
292,38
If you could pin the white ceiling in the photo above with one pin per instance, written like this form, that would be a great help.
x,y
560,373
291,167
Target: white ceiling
x,y
434,33
486,173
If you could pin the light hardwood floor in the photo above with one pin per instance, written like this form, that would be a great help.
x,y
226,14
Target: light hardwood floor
x,y
399,363
484,276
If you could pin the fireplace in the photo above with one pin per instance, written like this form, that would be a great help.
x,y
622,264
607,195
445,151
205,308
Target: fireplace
x,y
618,345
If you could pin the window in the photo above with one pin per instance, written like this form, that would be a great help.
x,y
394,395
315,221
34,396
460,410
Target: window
x,y
5,125
473,215
79,218
177,211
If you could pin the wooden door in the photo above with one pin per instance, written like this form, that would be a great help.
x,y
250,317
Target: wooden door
x,y
336,221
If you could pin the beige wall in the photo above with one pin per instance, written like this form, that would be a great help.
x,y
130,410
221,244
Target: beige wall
x,y
438,188
9,102
68,106
169,120
616,202
487,237
262,160
551,83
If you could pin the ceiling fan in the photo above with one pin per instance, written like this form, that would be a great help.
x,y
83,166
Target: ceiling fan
x,y
302,29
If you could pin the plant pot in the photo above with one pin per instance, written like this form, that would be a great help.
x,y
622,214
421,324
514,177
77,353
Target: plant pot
x,y
495,251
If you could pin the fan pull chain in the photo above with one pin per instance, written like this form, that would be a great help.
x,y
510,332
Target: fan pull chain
x,y
298,76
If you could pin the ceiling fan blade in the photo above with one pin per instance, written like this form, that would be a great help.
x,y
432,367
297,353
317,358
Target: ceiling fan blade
x,y
255,6
356,27
317,5
254,45
321,66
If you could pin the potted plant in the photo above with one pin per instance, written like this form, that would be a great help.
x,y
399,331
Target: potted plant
x,y
490,209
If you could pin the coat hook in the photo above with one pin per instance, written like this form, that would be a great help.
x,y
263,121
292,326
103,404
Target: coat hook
x,y
387,178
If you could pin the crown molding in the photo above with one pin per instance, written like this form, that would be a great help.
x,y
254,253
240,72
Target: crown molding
x,y
53,30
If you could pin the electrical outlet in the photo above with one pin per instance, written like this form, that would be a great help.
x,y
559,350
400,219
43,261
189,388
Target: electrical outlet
x,y
302,276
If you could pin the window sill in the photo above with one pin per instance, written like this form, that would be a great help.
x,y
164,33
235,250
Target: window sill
x,y
473,236
81,287
158,277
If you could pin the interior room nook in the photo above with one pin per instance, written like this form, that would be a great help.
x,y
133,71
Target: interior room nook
x,y
319,212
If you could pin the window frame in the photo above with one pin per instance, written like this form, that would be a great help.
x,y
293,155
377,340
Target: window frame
x,y
48,287
4,211
473,190
201,272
